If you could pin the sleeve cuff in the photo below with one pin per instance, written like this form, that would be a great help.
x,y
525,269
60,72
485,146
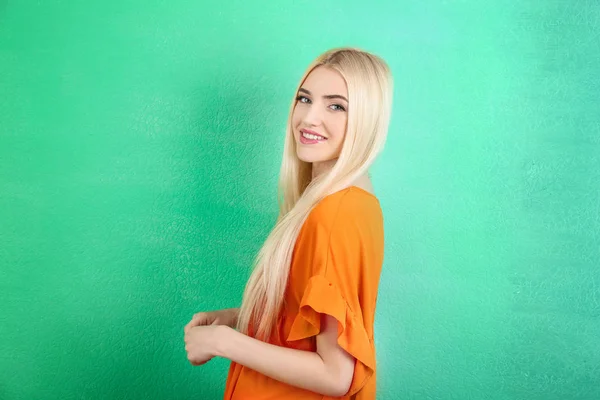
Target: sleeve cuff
x,y
323,297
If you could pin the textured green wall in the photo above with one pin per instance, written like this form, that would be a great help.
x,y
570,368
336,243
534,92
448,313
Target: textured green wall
x,y
139,149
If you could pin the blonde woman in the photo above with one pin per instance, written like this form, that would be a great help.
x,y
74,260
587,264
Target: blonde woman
x,y
305,326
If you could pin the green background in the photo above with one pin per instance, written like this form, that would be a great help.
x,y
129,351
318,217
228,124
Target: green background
x,y
140,143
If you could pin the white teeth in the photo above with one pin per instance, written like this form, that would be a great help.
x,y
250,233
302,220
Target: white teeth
x,y
312,137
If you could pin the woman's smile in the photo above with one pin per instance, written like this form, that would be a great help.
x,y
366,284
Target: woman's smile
x,y
307,138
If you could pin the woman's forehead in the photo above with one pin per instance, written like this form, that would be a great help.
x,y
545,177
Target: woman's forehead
x,y
325,81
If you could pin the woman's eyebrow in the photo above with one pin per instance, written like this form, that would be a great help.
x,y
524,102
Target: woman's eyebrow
x,y
327,96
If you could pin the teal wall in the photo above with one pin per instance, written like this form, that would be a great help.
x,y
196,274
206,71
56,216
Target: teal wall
x,y
139,150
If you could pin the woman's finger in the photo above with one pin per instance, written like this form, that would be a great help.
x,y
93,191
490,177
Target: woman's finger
x,y
189,325
197,320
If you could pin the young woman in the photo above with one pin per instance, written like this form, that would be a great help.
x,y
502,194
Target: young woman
x,y
305,326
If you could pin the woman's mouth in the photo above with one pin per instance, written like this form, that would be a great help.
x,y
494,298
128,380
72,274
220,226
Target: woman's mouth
x,y
307,138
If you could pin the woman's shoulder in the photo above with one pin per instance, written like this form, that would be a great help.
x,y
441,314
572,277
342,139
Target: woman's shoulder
x,y
348,204
349,197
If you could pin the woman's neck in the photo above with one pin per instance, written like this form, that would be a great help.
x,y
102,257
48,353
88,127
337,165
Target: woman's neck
x,y
363,182
319,168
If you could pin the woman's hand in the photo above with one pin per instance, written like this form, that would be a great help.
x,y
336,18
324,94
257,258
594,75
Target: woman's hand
x,y
219,317
201,343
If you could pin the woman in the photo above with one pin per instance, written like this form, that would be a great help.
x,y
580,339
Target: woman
x,y
305,326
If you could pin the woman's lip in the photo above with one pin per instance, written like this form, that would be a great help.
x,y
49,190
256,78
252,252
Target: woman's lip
x,y
312,133
304,140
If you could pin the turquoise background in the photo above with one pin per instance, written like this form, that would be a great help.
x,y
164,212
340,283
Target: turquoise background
x,y
140,143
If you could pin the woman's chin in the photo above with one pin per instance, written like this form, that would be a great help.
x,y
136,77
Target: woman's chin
x,y
308,156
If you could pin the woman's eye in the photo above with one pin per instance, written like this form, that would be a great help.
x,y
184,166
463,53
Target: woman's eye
x,y
301,98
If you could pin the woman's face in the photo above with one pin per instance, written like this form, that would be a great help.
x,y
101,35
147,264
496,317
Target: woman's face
x,y
321,107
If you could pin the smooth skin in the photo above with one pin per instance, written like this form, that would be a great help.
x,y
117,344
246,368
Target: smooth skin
x,y
327,371
321,106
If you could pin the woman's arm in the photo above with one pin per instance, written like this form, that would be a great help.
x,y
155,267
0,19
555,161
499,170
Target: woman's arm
x,y
327,371
228,316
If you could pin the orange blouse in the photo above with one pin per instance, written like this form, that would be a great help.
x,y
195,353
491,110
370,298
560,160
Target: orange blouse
x,y
335,269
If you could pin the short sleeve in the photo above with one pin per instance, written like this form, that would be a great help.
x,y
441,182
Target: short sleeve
x,y
346,289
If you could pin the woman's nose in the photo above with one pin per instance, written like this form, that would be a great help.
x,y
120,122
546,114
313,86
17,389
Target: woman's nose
x,y
313,116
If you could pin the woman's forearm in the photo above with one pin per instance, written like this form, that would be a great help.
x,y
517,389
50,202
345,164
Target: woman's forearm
x,y
303,369
235,312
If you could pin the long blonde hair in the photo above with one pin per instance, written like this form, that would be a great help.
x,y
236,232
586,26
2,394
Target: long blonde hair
x,y
370,86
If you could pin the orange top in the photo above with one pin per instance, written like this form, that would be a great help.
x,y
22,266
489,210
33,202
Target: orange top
x,y
335,270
